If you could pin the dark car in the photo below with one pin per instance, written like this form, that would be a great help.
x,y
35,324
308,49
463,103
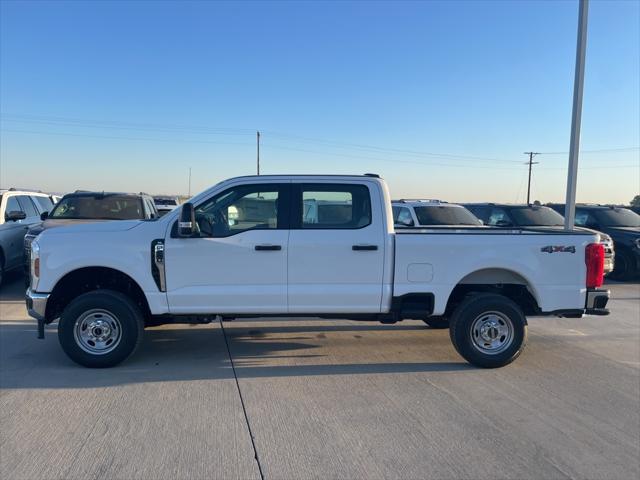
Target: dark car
x,y
82,207
622,225
533,215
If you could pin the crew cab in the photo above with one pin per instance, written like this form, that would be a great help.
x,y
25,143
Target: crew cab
x,y
248,247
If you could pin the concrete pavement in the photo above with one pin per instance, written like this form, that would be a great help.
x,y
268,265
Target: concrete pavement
x,y
324,399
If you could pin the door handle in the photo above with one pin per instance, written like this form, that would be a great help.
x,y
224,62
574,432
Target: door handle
x,y
364,247
263,248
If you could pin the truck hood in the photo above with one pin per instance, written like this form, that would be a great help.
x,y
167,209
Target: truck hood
x,y
632,231
561,227
57,222
87,226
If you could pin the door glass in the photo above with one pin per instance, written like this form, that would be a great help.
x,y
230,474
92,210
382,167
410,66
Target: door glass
x,y
402,216
44,204
581,218
27,206
498,215
252,207
12,205
335,206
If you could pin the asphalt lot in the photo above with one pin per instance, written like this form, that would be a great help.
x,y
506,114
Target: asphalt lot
x,y
324,399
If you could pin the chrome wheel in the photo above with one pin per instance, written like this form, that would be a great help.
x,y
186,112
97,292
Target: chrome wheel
x,y
97,332
491,333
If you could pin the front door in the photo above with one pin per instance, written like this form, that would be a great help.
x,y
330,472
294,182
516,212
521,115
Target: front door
x,y
237,263
336,249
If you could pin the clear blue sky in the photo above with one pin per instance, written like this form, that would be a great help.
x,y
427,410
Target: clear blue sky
x,y
129,95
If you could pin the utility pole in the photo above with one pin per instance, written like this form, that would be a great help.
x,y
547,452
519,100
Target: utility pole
x,y
576,117
189,182
530,163
258,150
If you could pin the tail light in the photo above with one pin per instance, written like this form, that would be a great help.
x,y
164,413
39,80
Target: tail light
x,y
594,259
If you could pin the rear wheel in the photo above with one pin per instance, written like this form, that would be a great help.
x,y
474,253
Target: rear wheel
x,y
100,329
488,330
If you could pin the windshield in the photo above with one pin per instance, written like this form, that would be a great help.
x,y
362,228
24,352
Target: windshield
x,y
99,207
617,217
536,217
445,215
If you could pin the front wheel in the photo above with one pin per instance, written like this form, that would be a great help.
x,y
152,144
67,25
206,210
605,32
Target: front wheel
x,y
488,330
623,266
100,329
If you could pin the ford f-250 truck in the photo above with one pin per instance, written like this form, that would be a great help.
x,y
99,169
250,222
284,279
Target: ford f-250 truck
x,y
247,248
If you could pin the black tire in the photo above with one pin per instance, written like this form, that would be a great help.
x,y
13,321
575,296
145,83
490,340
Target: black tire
x,y
102,308
501,320
437,323
623,266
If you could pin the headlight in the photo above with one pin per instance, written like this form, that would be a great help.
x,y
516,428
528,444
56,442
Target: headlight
x,y
35,265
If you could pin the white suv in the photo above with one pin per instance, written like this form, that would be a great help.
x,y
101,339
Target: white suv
x,y
18,211
430,213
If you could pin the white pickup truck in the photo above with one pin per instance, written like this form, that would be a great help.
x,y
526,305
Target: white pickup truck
x,y
249,247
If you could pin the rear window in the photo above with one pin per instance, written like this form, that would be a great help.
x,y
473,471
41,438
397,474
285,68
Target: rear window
x,y
445,215
536,217
100,207
335,206
165,201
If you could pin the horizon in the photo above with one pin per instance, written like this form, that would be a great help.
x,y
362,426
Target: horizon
x,y
439,98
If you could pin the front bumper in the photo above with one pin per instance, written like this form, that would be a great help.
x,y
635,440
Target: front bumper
x,y
597,302
36,304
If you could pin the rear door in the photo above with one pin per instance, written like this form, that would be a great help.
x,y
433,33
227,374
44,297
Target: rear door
x,y
336,248
13,232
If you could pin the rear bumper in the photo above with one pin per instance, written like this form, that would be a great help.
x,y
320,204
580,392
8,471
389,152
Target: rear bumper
x,y
597,302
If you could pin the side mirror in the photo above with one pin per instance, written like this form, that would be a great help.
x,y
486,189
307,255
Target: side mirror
x,y
15,215
187,221
44,216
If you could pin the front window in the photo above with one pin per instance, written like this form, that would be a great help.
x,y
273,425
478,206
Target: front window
x,y
445,215
247,207
536,217
99,207
44,203
617,217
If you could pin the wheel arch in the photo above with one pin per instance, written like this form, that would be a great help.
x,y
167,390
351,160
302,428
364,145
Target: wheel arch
x,y
501,281
87,279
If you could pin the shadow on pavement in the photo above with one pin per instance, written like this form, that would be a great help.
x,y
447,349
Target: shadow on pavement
x,y
184,354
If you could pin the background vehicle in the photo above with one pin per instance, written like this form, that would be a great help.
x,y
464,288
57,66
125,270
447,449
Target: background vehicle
x,y
18,210
165,204
83,206
106,281
427,213
534,215
622,225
